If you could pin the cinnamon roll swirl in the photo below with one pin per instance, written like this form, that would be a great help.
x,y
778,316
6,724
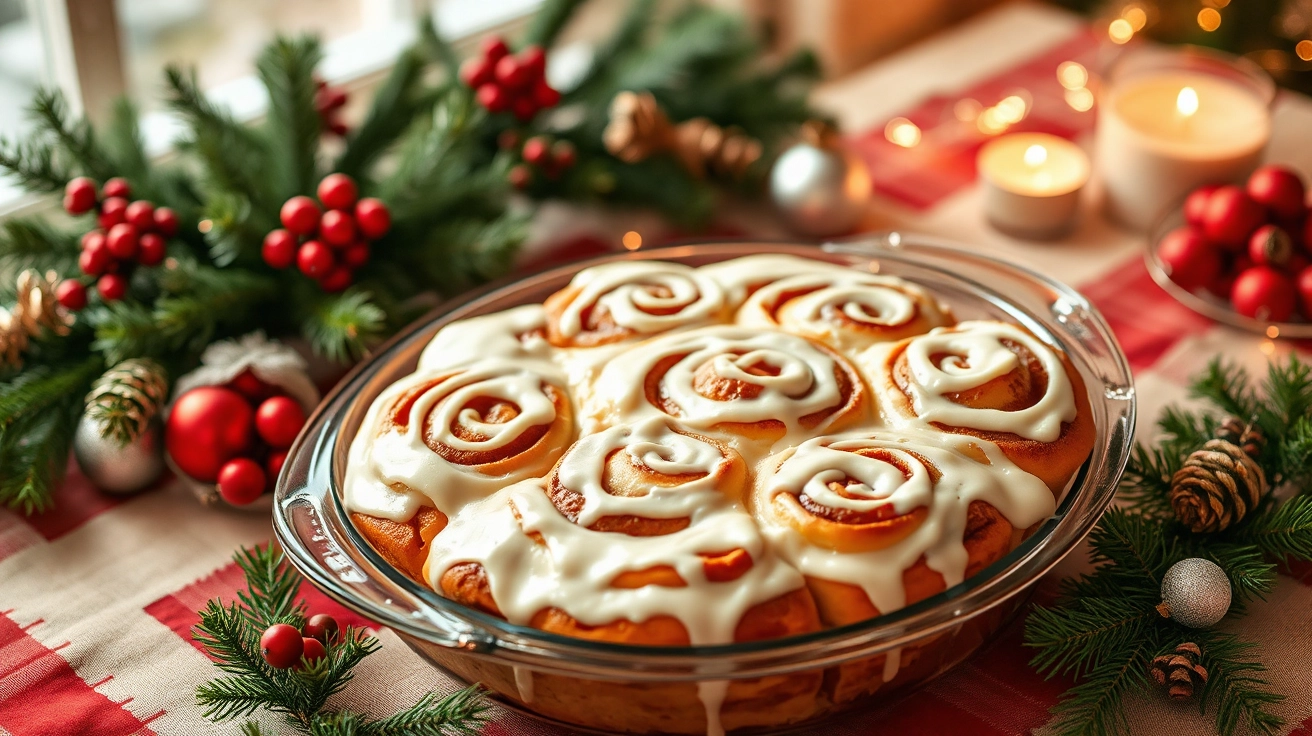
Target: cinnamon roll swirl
x,y
618,301
741,277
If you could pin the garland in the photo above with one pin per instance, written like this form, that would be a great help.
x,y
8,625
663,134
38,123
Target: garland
x,y
231,634
201,256
1106,628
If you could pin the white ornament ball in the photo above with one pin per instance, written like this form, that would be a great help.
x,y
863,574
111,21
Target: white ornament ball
x,y
1196,593
820,191
115,469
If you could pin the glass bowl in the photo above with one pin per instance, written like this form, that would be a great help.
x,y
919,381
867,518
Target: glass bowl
x,y
1209,305
608,688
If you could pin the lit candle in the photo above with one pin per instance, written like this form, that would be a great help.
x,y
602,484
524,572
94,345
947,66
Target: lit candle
x,y
1032,184
1171,121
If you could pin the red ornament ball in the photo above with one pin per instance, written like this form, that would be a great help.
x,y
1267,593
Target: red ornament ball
x,y
493,48
208,427
166,222
300,215
1231,217
274,463
282,645
1190,260
122,241
79,195
356,255
336,280
537,151
241,481
373,218
476,72
118,187
279,249
322,627
337,228
279,420
1270,246
95,260
112,212
151,249
315,259
493,97
112,287
338,191
1304,285
313,650
1279,189
1263,293
249,385
71,295
141,215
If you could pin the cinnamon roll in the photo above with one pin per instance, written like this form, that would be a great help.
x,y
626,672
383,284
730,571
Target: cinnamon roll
x,y
995,381
618,301
515,334
740,383
849,311
741,277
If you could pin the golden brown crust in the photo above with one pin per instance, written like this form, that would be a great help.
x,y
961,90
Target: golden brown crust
x,y
404,545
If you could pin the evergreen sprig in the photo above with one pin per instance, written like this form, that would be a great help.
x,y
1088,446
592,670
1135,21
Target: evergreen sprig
x,y
1104,629
231,634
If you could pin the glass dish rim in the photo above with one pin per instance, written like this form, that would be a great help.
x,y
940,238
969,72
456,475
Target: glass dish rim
x,y
987,589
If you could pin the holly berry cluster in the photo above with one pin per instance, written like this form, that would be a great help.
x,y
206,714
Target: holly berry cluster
x,y
541,156
328,244
235,435
284,647
506,82
1250,245
128,234
329,101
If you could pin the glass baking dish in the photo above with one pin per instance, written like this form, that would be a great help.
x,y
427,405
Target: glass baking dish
x,y
608,688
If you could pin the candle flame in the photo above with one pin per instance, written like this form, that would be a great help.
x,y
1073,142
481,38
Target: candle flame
x,y
902,132
1035,155
1187,101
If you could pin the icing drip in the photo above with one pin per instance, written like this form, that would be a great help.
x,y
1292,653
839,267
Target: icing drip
x,y
976,353
892,663
643,296
1020,497
524,683
515,333
740,276
392,469
781,378
711,693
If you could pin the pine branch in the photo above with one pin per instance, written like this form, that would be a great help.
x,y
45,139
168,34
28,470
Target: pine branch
x,y
1227,386
39,411
286,67
436,48
1093,707
397,103
34,165
1251,575
1295,453
233,157
342,326
627,37
272,585
125,147
1281,532
459,714
1133,546
75,139
1233,687
549,21
28,242
1077,638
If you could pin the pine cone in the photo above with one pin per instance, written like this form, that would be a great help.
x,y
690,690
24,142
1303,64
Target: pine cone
x,y
35,308
126,397
1220,483
1180,671
639,128
1247,436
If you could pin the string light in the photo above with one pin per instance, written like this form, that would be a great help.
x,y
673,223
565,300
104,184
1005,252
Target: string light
x,y
1304,50
1072,75
902,132
1136,16
1080,100
1120,31
1209,19
632,240
967,109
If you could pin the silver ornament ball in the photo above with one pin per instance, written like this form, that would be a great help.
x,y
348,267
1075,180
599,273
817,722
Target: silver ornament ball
x,y
1195,593
820,191
115,469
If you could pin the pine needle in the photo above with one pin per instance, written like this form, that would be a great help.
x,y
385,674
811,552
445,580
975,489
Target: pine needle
x,y
286,67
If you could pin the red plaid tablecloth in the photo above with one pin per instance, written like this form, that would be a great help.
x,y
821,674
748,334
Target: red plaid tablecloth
x,y
97,597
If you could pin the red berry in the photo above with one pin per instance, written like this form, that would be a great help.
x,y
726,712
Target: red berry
x,y
95,260
534,59
544,95
279,248
355,256
476,72
300,215
493,97
313,650
512,73
338,279
1264,294
279,420
118,187
523,108
122,241
71,294
1231,217
373,218
241,481
207,427
315,259
493,48
1195,205
337,228
282,645
92,239
166,222
337,191
1279,189
112,287
338,128
1270,246
79,195
519,176
1304,284
536,150
112,212
1225,281
327,99
274,463
151,249
141,215
249,385
563,155
322,627
1189,260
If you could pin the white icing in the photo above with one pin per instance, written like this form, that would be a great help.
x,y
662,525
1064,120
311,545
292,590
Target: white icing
x,y
1020,497
805,383
514,333
892,663
738,276
711,693
976,355
524,683
625,290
